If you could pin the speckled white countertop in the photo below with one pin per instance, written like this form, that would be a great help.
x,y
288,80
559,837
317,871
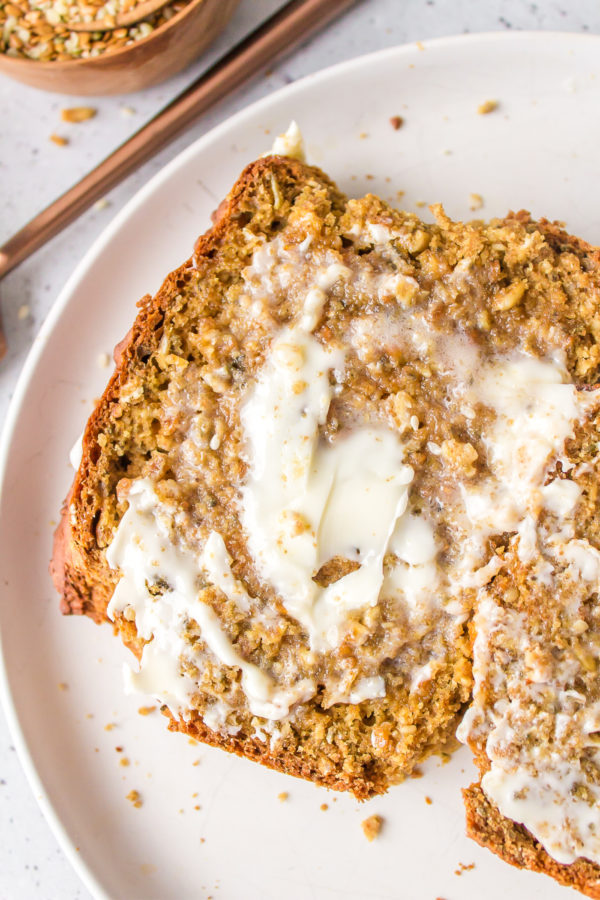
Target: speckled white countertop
x,y
33,171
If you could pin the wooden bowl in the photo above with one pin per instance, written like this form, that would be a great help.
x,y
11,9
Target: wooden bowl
x,y
152,59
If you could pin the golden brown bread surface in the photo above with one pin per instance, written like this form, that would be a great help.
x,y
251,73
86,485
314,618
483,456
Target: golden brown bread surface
x,y
494,289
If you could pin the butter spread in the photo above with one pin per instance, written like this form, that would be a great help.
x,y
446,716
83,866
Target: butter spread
x,y
535,412
289,143
160,584
306,501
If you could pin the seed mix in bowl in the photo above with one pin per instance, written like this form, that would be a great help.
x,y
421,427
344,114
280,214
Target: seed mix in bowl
x,y
40,30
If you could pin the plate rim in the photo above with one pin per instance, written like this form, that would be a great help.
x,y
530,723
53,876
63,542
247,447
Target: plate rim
x,y
67,292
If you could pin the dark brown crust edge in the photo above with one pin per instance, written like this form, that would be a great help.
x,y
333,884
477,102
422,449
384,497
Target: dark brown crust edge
x,y
515,845
284,762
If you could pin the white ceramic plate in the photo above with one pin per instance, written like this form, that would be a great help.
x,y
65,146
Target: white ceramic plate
x,y
217,827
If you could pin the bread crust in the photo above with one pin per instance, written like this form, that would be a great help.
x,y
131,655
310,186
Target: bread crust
x,y
515,845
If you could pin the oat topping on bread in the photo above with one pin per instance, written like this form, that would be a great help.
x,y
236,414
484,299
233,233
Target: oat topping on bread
x,y
346,465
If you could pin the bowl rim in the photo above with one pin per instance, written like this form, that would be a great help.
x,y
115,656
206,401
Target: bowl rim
x,y
24,62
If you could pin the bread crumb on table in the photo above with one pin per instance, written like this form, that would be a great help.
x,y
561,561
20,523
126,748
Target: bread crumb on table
x,y
146,710
487,106
59,140
324,807
428,801
76,114
123,761
109,726
283,796
102,203
23,313
396,122
63,686
134,798
475,201
371,827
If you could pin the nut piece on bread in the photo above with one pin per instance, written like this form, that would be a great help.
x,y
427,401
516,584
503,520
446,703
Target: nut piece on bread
x,y
342,486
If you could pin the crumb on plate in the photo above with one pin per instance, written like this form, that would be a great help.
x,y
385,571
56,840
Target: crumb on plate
x,y
134,798
464,867
487,106
371,827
